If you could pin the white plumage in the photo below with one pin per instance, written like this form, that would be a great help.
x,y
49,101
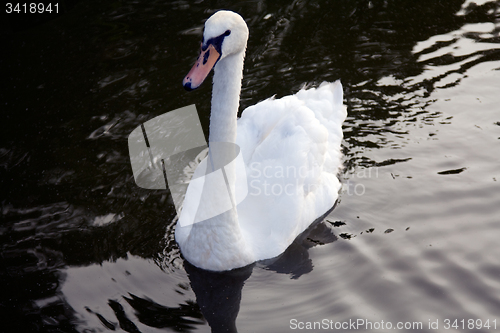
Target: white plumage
x,y
291,151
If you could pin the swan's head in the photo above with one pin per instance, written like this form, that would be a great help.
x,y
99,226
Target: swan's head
x,y
225,34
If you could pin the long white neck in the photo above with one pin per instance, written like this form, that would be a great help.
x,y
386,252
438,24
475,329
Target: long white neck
x,y
218,242
226,98
228,74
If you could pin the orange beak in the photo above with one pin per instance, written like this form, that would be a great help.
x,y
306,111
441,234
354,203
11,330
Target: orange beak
x,y
206,61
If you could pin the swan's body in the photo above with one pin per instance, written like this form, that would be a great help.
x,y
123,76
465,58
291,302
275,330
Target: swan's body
x,y
291,151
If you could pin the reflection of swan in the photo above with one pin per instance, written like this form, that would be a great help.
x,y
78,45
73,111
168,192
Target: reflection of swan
x,y
290,147
218,294
295,260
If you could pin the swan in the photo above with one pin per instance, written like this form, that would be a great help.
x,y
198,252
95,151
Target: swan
x,y
290,152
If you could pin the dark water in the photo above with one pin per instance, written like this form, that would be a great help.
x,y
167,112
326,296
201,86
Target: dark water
x,y
414,238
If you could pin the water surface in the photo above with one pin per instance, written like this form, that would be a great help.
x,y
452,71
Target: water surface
x,y
413,239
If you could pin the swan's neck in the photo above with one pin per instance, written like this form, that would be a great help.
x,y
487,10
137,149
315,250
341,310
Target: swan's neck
x,y
226,98
218,241
228,74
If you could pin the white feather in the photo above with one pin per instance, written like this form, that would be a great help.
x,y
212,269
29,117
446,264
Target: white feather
x,y
291,151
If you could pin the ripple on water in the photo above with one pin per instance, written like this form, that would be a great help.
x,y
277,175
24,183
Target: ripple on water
x,y
415,236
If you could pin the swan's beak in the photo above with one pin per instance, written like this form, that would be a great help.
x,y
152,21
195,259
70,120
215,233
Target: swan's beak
x,y
206,61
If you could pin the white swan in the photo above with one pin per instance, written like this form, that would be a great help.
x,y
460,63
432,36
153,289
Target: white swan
x,y
291,151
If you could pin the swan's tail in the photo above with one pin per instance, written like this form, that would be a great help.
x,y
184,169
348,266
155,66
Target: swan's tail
x,y
327,103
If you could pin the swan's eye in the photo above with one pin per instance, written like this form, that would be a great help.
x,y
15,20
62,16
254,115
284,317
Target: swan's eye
x,y
227,33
